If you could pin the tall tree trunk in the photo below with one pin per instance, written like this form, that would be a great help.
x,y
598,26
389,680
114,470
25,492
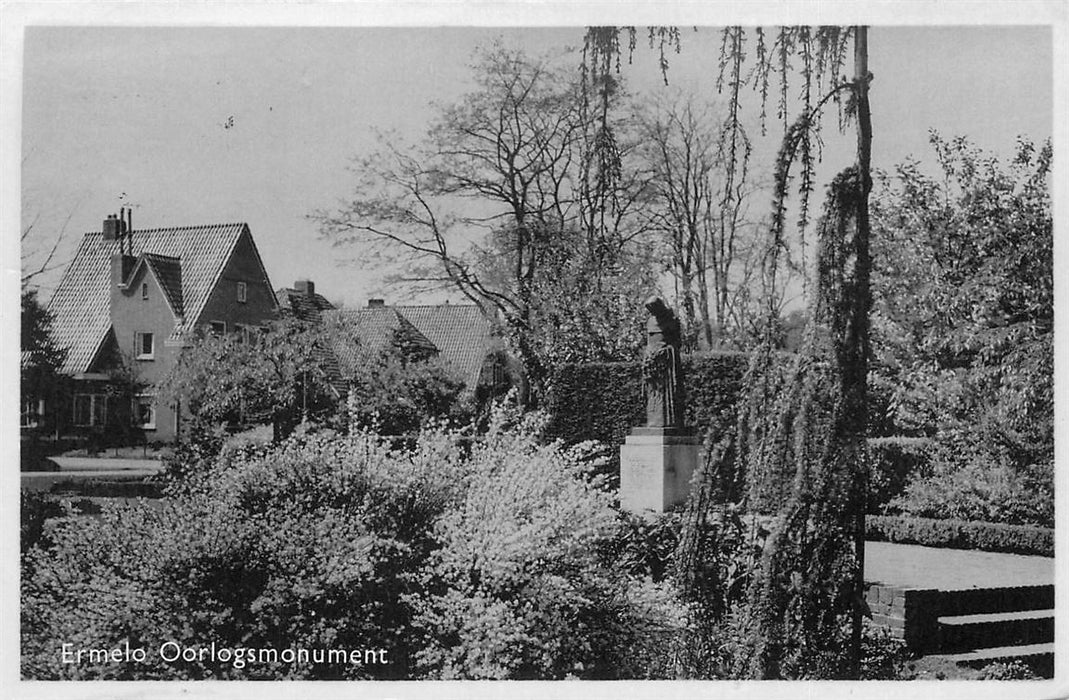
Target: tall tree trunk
x,y
706,338
856,368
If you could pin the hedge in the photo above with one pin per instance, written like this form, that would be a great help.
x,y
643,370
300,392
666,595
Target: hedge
x,y
603,401
961,534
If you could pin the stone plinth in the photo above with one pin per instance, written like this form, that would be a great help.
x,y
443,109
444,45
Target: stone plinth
x,y
655,468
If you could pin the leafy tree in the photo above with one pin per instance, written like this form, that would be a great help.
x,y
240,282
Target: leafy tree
x,y
280,375
396,396
965,298
500,200
41,357
964,327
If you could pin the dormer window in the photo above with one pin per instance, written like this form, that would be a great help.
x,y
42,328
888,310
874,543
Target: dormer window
x,y
243,290
144,290
144,348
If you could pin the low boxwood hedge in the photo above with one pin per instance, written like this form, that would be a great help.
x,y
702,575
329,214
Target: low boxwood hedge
x,y
961,534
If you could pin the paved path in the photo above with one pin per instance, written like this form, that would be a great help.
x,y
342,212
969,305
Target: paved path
x,y
86,468
913,566
84,464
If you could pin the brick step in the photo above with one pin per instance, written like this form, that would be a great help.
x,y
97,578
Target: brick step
x,y
975,601
963,633
1038,657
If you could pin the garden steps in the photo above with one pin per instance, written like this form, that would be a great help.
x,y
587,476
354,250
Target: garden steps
x,y
965,633
973,626
968,606
1038,657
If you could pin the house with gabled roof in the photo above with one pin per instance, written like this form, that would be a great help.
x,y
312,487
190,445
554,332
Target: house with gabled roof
x,y
128,304
466,340
460,335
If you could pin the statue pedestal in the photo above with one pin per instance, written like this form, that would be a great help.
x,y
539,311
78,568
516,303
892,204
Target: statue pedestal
x,y
655,468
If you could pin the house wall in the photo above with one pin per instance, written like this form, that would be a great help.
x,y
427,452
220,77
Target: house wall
x,y
223,304
130,315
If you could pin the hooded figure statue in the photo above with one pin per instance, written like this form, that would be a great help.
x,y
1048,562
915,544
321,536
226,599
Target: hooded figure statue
x,y
662,369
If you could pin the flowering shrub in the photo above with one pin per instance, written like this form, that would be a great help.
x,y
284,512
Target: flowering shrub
x,y
472,565
308,545
518,589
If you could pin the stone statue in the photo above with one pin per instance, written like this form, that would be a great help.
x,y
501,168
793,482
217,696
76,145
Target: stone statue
x,y
662,369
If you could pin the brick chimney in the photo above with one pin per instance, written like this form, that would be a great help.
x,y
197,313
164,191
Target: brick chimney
x,y
305,287
376,303
112,227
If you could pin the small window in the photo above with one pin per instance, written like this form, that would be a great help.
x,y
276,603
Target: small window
x,y
32,411
243,291
143,346
144,411
247,334
217,327
144,290
90,409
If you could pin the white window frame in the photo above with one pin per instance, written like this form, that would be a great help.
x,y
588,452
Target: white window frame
x,y
139,345
30,415
243,292
98,408
138,401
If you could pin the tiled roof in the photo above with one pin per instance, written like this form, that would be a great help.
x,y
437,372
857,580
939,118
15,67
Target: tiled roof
x,y
464,336
80,305
355,333
302,305
168,271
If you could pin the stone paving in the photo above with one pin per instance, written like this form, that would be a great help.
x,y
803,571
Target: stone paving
x,y
913,566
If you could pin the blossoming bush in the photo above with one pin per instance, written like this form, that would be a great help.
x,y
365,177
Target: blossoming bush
x,y
308,545
518,589
457,564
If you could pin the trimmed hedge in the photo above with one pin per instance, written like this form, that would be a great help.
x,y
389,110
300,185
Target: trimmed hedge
x,y
603,401
961,534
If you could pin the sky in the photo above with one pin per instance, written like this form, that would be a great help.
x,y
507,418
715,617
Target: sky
x,y
209,125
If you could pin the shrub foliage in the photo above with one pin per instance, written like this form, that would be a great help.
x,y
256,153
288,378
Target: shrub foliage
x,y
480,566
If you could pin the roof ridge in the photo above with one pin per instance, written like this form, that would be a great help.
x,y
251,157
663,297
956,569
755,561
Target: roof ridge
x,y
438,306
175,228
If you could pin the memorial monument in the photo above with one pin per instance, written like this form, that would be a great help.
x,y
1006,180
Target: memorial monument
x,y
658,458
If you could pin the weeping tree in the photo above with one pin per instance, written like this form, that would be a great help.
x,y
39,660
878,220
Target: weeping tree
x,y
798,452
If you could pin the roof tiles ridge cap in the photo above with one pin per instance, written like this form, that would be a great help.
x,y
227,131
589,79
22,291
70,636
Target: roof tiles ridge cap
x,y
187,227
